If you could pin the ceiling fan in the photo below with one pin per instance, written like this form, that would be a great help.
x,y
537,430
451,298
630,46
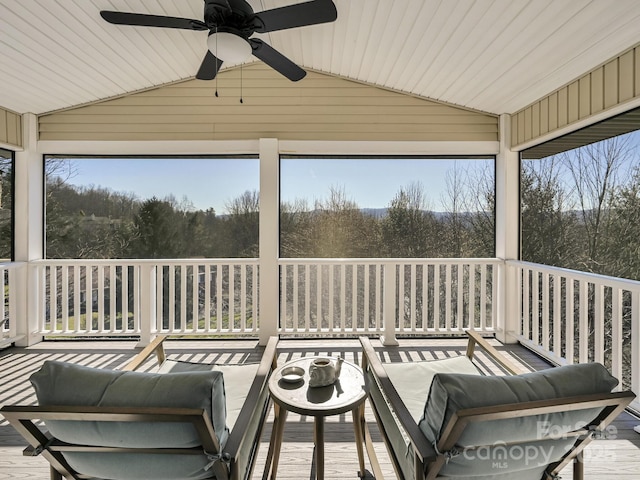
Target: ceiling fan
x,y
231,23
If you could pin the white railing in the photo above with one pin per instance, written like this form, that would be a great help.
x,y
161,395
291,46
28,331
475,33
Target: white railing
x,y
145,297
566,315
421,296
576,317
94,298
8,325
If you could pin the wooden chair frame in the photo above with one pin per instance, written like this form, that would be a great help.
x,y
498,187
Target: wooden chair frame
x,y
427,465
24,420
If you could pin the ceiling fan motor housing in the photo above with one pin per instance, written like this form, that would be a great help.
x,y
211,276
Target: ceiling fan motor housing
x,y
234,16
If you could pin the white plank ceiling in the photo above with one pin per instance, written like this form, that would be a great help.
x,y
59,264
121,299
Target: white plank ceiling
x,y
490,55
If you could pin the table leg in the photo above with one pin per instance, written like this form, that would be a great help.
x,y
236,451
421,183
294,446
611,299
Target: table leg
x,y
358,415
273,455
319,444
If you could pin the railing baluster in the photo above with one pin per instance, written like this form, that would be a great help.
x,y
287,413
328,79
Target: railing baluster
x,y
436,298
526,300
254,298
160,314
183,298
195,297
243,297
295,318
598,320
355,275
447,303
232,298
206,306
545,310
219,301
535,308
460,297
64,298
483,296
341,297
472,297
557,322
378,297
113,297
307,297
583,332
570,321
616,333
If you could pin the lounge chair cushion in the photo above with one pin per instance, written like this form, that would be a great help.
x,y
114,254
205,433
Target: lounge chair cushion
x,y
237,381
60,383
403,376
413,380
450,393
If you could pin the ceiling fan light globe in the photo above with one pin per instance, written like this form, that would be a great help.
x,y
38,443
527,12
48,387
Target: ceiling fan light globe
x,y
229,47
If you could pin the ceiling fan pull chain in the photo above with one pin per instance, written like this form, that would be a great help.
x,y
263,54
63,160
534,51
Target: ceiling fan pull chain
x,y
241,84
217,66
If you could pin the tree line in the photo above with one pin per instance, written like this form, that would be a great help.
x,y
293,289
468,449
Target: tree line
x,y
94,222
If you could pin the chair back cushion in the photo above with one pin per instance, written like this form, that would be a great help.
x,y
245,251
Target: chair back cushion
x,y
453,392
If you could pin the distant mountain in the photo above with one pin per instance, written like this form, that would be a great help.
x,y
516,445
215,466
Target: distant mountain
x,y
375,212
382,213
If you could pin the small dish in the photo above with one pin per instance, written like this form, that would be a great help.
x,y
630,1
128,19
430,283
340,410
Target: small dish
x,y
292,374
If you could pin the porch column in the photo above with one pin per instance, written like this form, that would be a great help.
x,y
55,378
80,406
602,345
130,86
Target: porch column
x,y
269,287
29,231
507,233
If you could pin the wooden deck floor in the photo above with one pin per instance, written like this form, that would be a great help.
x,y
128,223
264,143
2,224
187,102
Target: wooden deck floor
x,y
615,457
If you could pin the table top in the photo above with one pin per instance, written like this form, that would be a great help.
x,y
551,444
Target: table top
x,y
345,394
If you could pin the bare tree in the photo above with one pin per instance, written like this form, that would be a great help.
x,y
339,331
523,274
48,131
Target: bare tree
x,y
596,173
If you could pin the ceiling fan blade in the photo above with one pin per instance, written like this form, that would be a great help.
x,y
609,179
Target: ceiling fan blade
x,y
276,60
209,67
144,20
299,15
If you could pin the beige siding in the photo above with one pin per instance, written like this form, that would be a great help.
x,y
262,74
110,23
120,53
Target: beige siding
x,y
10,128
320,107
610,85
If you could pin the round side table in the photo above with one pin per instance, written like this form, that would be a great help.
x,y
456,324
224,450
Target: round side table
x,y
348,393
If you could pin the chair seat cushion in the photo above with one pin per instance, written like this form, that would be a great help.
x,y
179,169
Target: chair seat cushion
x,y
237,381
413,380
450,393
67,384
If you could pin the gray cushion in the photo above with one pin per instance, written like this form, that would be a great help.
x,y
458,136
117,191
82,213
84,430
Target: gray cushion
x,y
237,381
59,383
412,380
452,392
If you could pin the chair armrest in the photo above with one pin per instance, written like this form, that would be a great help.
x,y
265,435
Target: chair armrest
x,y
476,339
371,362
156,346
267,365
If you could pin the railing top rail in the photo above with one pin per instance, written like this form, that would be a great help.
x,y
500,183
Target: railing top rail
x,y
376,261
8,265
623,283
147,261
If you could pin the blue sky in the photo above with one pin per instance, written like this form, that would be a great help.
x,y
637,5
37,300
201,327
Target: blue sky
x,y
210,183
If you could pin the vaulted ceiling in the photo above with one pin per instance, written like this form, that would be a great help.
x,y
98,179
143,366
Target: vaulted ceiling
x,y
496,56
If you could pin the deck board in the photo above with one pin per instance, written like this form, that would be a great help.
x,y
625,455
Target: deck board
x,y
619,456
